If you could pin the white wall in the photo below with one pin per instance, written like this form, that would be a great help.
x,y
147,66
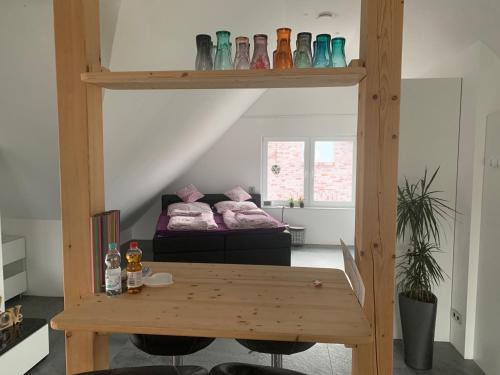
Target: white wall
x,y
2,302
43,254
479,67
29,153
236,158
430,121
487,332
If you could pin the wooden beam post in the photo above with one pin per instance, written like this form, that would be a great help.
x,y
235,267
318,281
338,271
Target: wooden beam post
x,y
377,160
77,41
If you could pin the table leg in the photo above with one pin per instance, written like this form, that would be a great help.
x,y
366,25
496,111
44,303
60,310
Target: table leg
x,y
86,351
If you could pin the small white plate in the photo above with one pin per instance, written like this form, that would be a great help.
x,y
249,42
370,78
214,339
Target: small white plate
x,y
158,280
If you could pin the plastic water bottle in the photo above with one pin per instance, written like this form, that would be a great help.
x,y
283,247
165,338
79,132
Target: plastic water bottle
x,y
113,273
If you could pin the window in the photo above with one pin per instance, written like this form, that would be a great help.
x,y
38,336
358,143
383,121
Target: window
x,y
321,171
286,170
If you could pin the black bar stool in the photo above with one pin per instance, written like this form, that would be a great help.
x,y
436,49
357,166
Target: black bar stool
x,y
276,348
246,369
152,370
170,346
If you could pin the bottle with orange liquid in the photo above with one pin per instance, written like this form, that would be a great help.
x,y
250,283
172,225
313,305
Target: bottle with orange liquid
x,y
134,268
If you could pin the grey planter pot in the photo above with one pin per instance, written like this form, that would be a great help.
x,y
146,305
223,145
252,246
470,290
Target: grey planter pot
x,y
418,320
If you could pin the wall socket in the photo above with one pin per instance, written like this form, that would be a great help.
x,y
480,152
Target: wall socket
x,y
456,316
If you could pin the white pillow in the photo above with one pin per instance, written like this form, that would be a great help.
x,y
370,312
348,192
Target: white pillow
x,y
238,194
224,206
188,207
189,194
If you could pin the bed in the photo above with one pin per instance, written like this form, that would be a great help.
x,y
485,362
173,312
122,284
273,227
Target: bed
x,y
269,246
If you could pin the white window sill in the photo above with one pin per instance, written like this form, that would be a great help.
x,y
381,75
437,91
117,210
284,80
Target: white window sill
x,y
307,208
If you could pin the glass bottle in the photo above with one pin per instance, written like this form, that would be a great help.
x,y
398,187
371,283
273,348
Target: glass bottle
x,y
134,268
338,53
303,55
113,273
242,58
322,57
260,59
223,54
204,47
283,59
330,61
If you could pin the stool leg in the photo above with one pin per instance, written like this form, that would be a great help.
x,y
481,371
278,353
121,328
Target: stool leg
x,y
276,360
178,360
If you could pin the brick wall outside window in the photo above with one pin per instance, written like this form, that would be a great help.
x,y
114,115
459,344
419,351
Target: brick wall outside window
x,y
333,171
333,180
289,156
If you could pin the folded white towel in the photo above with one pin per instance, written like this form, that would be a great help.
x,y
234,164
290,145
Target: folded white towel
x,y
256,211
177,212
205,221
187,223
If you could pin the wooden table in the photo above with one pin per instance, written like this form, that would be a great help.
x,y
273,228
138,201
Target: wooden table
x,y
231,301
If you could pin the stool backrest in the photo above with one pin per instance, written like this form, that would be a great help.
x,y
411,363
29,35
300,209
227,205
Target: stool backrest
x,y
352,272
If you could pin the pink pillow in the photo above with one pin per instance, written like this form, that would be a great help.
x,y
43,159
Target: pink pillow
x,y
189,194
238,194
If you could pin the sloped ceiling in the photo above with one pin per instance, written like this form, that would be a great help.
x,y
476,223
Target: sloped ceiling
x,y
29,151
151,138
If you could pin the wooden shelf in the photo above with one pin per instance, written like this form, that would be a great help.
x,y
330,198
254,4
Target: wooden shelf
x,y
229,79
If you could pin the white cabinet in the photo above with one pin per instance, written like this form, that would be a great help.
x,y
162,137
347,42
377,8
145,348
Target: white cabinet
x,y
27,353
13,262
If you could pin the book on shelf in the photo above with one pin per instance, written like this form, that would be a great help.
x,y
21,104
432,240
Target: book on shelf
x,y
105,230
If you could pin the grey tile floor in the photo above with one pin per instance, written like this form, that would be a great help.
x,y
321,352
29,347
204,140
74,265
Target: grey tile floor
x,y
322,359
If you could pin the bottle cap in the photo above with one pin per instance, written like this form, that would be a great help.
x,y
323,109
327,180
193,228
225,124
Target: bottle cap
x,y
133,245
112,246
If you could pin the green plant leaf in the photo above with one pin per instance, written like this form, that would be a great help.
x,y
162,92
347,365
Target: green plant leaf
x,y
420,214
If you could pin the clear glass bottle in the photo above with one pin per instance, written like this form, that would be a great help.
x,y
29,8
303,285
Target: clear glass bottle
x,y
113,273
223,58
283,59
338,53
242,58
303,56
204,48
134,268
322,56
260,59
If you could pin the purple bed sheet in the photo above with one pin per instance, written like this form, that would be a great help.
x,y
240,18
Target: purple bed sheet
x,y
163,231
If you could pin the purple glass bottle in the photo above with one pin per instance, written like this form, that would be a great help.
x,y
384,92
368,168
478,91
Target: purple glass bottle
x,y
260,59
242,58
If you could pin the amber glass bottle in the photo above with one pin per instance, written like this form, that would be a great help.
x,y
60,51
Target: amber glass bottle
x,y
283,58
134,268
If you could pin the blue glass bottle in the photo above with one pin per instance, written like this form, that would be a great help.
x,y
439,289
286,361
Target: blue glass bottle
x,y
322,55
223,54
338,53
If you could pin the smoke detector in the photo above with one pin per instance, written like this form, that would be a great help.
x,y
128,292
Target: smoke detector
x,y
326,15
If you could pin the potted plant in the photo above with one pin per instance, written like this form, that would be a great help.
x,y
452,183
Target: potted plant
x,y
301,202
291,202
419,215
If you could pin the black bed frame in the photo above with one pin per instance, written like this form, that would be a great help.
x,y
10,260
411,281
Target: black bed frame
x,y
234,248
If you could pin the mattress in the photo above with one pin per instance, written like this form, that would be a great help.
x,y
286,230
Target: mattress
x,y
163,231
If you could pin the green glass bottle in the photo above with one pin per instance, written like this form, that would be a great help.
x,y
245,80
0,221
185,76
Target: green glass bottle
x,y
223,54
338,53
303,54
322,56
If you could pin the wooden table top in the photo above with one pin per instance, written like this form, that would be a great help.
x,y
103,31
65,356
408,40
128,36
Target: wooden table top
x,y
231,301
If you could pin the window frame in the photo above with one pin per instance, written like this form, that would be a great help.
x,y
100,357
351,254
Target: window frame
x,y
309,157
311,201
